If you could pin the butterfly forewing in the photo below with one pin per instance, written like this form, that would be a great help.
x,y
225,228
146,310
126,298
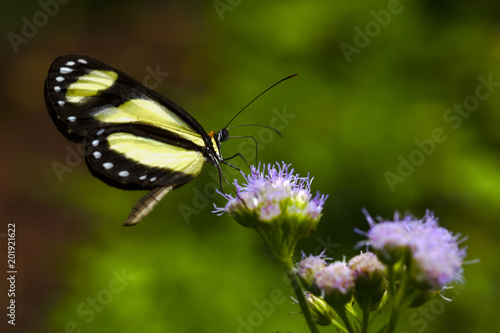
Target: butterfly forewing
x,y
82,92
76,88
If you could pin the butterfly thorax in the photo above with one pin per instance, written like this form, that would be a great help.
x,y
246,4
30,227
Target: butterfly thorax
x,y
213,155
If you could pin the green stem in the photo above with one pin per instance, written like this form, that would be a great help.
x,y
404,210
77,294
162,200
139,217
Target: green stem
x,y
398,296
366,319
393,319
353,312
342,314
392,282
339,326
301,299
380,308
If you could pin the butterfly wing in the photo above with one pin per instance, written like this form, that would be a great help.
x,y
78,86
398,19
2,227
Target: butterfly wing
x,y
141,157
81,93
134,137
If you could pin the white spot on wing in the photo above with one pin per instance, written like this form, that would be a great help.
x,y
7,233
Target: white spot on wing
x,y
99,132
65,70
153,179
57,89
61,103
72,119
143,177
123,173
107,165
59,79
97,154
95,143
70,63
82,61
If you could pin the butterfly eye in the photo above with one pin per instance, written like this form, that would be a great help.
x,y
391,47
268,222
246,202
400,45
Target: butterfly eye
x,y
223,135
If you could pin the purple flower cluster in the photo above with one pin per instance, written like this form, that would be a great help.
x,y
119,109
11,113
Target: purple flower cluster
x,y
265,194
309,266
365,264
335,277
279,205
436,257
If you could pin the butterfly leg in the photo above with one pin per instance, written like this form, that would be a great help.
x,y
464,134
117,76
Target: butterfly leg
x,y
256,146
221,176
233,166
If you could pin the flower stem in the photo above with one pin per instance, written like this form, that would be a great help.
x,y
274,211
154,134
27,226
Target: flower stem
x,y
380,308
299,293
392,282
397,295
342,314
353,312
366,317
339,326
391,325
393,320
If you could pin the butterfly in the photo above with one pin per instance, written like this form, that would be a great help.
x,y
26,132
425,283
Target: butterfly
x,y
134,138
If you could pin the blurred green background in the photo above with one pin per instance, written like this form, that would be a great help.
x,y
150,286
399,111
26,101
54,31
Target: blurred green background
x,y
378,115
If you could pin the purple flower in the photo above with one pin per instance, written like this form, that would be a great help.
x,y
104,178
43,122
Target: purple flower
x,y
308,267
436,259
278,204
366,264
265,193
369,278
335,283
436,253
387,236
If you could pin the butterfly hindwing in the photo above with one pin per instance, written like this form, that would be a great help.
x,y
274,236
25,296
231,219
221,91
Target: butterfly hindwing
x,y
138,157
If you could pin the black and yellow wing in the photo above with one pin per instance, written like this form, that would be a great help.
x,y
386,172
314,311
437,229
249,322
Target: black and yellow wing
x,y
134,138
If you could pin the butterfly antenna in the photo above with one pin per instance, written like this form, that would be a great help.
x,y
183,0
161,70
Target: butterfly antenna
x,y
260,125
286,78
